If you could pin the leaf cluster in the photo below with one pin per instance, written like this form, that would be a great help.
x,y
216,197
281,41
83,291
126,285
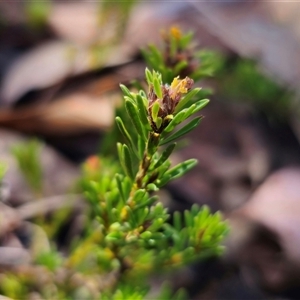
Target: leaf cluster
x,y
178,56
135,235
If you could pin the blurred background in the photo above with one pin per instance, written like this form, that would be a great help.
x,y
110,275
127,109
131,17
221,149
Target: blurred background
x,y
61,64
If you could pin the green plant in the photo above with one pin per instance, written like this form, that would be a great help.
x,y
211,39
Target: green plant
x,y
112,19
27,155
135,238
37,12
129,236
241,80
28,158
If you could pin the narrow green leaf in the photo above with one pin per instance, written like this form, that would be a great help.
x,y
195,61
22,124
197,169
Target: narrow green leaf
x,y
142,214
144,96
132,100
177,220
142,110
156,225
127,161
124,131
151,60
154,111
109,207
185,40
157,235
139,195
188,97
156,55
151,187
135,119
149,77
159,77
184,130
158,209
173,47
120,187
114,236
189,254
177,239
188,111
126,186
188,220
148,203
158,122
153,143
146,235
116,214
198,106
126,91
157,87
164,168
180,117
182,168
141,147
113,196
132,218
195,209
204,214
120,154
165,155
177,171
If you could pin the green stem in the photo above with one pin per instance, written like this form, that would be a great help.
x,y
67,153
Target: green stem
x,y
151,149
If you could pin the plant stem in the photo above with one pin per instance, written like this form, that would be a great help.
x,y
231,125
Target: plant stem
x,y
151,149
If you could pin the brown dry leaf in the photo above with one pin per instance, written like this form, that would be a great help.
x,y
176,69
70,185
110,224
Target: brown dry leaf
x,y
264,237
75,21
87,103
42,67
72,114
51,63
79,23
276,205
